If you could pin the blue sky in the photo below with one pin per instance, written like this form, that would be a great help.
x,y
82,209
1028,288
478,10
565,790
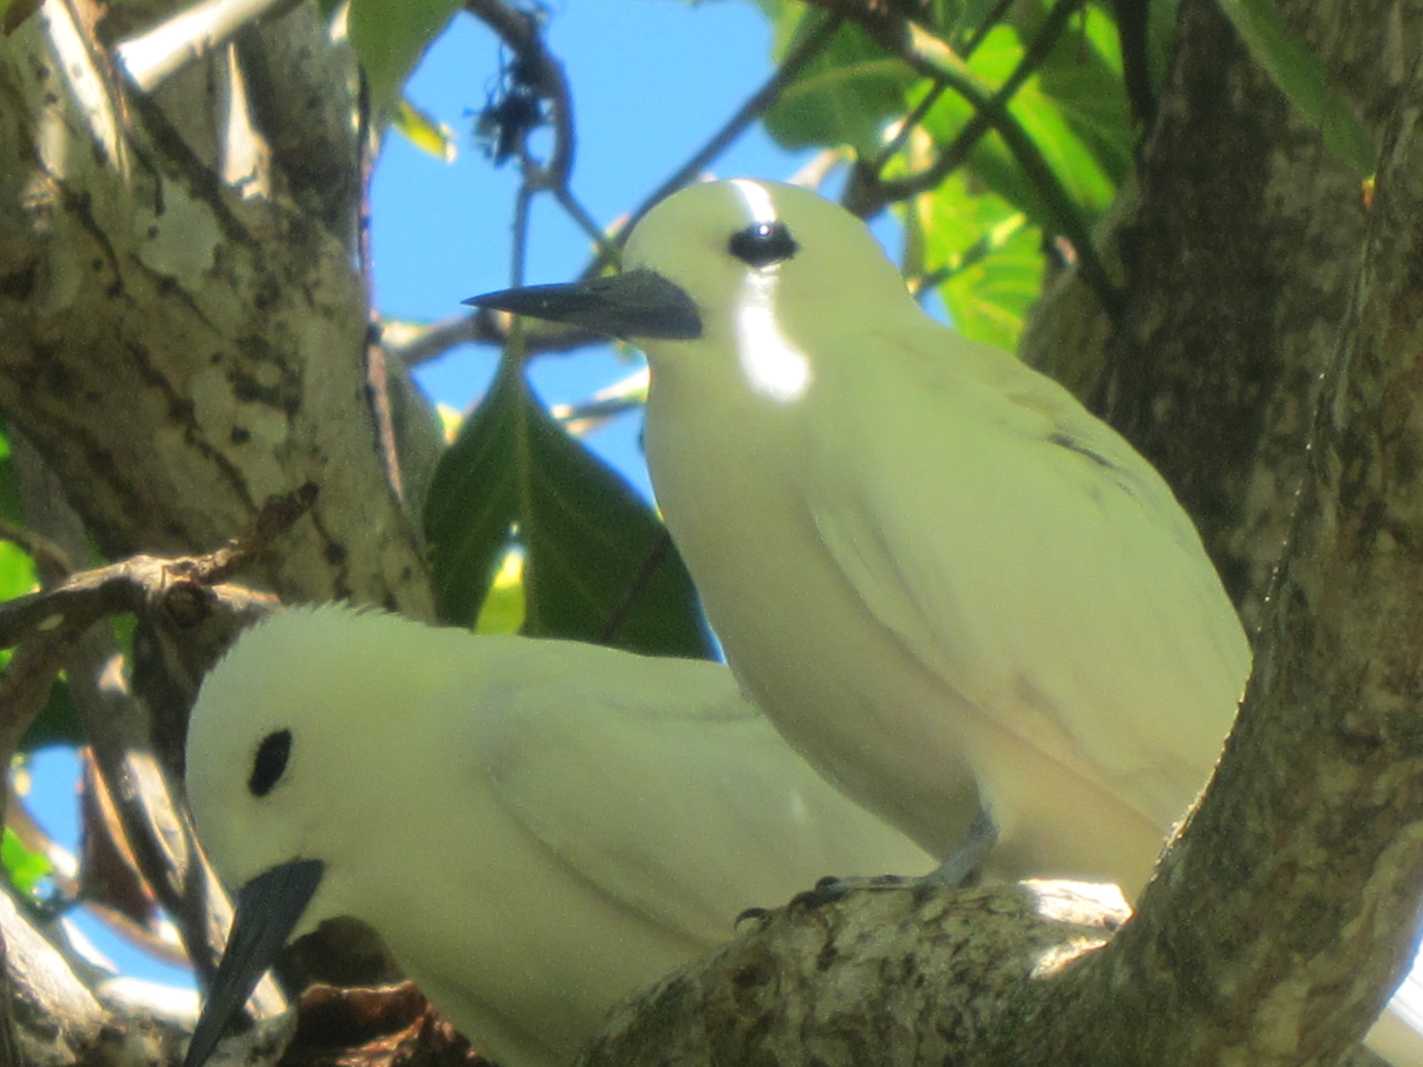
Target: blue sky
x,y
441,231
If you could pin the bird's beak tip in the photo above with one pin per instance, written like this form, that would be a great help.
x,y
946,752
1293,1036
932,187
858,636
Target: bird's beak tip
x,y
268,909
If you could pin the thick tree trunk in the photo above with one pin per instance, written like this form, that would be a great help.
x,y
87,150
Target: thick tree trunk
x,y
183,335
184,329
1239,255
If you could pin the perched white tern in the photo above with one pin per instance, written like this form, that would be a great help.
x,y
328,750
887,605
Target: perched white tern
x,y
535,828
917,551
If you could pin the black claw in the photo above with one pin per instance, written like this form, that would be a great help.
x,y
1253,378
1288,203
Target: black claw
x,y
826,891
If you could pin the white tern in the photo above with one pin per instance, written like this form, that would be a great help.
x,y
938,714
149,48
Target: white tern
x,y
917,551
535,828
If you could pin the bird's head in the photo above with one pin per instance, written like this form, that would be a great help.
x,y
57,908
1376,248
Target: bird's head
x,y
726,262
283,741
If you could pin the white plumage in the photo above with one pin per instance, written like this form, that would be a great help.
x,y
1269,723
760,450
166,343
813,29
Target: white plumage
x,y
928,563
535,828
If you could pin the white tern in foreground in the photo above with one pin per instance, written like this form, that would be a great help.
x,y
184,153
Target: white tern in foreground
x,y
535,828
915,549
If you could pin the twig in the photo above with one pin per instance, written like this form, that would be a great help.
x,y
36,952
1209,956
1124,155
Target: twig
x,y
745,115
876,166
585,221
932,58
46,553
974,254
24,688
414,343
813,173
588,415
520,31
518,254
151,57
185,589
958,150
653,560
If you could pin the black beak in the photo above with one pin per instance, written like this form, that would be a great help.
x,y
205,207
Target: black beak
x,y
268,908
633,305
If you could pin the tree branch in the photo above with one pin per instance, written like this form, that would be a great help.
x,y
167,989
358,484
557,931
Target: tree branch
x,y
751,109
934,59
870,192
151,57
521,32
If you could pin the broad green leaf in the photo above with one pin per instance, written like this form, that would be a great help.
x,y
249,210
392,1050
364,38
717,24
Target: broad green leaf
x,y
390,36
843,96
1082,76
990,296
24,868
1072,160
1299,73
514,473
17,571
993,259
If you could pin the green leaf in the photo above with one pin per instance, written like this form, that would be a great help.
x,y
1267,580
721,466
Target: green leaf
x,y
990,296
1299,73
993,258
1082,77
390,36
1042,117
424,132
24,868
17,571
585,533
845,95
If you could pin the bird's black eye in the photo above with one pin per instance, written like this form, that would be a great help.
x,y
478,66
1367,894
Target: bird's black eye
x,y
270,763
763,243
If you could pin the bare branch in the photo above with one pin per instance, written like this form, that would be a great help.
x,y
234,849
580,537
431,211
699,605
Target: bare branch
x,y
871,193
46,553
752,109
933,58
184,588
520,30
901,135
192,33
416,343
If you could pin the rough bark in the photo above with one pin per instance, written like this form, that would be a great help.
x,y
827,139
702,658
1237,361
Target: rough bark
x,y
1239,254
183,335
182,341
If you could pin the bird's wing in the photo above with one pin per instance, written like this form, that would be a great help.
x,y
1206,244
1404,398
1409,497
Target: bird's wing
x,y
676,798
1032,560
